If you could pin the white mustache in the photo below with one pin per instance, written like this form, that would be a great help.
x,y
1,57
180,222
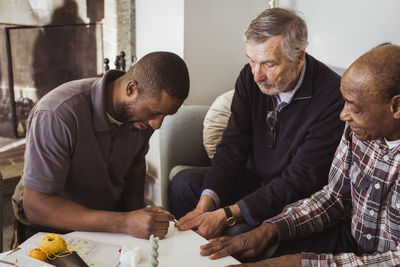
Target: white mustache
x,y
266,84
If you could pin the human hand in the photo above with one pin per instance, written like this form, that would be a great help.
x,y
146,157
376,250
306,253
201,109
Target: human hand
x,y
245,245
145,222
285,261
187,218
207,224
205,204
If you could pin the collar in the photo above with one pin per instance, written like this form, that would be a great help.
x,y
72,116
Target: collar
x,y
113,121
392,144
305,89
381,143
98,96
284,99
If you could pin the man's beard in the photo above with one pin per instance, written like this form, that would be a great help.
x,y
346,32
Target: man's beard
x,y
270,88
122,115
122,112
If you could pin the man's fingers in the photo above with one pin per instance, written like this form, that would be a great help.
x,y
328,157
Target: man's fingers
x,y
192,224
185,218
222,238
219,247
160,225
207,246
225,251
210,248
160,210
193,214
162,217
212,242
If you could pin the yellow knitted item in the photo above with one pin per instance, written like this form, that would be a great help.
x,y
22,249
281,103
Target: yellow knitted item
x,y
38,254
53,244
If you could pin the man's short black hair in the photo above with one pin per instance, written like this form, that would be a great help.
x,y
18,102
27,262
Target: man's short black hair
x,y
159,71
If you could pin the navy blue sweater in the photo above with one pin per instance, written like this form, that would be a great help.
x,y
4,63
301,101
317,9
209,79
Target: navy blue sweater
x,y
309,130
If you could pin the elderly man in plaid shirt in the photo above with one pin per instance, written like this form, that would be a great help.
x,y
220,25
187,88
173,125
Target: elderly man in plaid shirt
x,y
363,193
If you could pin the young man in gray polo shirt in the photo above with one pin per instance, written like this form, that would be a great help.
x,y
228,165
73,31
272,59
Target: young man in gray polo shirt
x,y
86,146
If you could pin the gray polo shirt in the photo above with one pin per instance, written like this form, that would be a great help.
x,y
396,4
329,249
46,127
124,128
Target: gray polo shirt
x,y
72,149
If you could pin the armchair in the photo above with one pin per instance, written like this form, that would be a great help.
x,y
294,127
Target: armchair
x,y
181,144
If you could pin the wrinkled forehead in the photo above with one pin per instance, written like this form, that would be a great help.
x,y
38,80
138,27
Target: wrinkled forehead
x,y
359,82
268,49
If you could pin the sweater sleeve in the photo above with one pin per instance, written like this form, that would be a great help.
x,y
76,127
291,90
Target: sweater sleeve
x,y
233,152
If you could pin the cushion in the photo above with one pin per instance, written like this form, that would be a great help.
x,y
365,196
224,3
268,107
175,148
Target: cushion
x,y
177,169
216,121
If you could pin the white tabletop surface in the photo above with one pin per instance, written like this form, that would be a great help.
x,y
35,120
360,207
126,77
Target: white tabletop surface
x,y
177,249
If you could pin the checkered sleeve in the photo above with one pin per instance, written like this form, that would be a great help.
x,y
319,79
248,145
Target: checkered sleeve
x,y
389,258
324,208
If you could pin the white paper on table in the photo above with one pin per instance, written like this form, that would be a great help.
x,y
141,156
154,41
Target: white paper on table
x,y
176,249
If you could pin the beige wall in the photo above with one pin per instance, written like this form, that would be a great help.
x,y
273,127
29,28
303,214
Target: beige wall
x,y
214,44
341,30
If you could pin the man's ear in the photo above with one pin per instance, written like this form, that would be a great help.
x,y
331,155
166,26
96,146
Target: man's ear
x,y
132,88
395,106
301,56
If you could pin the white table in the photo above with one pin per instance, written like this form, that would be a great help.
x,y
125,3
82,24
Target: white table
x,y
177,249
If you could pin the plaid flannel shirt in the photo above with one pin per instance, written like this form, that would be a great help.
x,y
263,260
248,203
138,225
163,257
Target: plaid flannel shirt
x,y
364,184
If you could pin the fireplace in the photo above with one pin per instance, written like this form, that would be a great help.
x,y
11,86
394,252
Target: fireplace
x,y
36,59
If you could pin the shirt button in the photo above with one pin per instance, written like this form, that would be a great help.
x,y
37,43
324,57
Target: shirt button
x,y
371,212
398,205
377,186
369,236
386,158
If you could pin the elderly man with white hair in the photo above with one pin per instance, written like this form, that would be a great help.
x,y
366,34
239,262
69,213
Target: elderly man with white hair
x,y
280,139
